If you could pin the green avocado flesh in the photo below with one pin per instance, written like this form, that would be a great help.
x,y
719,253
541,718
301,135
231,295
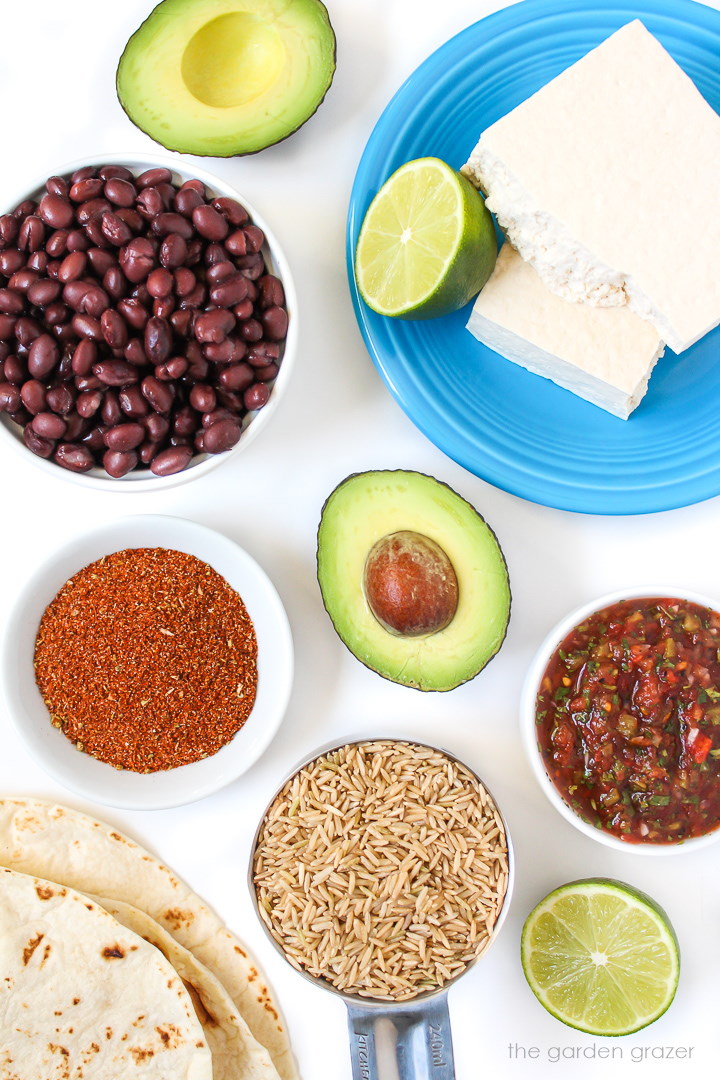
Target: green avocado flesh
x,y
368,506
225,77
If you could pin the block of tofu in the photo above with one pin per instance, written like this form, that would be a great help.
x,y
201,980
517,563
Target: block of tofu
x,y
608,181
604,354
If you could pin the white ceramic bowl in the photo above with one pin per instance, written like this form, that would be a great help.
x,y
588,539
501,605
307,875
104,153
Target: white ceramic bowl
x,y
95,779
528,726
143,479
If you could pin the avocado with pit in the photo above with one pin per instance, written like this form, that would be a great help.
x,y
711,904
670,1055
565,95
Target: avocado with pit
x,y
226,77
412,578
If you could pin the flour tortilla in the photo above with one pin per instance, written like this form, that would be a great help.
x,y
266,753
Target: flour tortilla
x,y
53,841
236,1055
83,997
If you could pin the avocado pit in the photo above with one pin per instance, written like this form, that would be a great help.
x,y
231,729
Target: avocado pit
x,y
410,584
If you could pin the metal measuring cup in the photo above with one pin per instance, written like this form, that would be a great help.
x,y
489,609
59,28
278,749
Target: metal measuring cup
x,y
423,1047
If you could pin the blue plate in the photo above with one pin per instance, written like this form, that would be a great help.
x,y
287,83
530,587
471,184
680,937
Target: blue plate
x,y
514,429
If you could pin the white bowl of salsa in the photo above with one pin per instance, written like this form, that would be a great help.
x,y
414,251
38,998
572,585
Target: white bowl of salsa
x,y
620,715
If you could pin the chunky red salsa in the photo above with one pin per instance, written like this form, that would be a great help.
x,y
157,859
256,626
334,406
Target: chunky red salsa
x,y
628,720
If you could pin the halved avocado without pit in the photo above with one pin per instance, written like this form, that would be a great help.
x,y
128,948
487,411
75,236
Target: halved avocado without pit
x,y
412,578
226,77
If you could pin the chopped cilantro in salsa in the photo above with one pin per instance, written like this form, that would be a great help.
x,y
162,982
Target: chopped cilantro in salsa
x,y
628,720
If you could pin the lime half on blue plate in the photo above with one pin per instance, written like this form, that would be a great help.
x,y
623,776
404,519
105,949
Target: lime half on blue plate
x,y
516,430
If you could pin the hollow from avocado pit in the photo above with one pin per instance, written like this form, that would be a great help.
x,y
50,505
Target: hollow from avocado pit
x,y
410,584
232,59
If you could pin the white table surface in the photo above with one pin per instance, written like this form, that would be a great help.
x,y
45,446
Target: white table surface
x,y
57,103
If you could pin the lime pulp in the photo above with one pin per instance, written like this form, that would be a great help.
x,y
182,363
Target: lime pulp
x,y
601,957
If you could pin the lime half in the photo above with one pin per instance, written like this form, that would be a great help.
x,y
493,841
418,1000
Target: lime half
x,y
427,244
601,957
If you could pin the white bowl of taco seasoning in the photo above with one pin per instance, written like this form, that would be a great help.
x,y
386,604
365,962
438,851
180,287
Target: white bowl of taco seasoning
x,y
166,783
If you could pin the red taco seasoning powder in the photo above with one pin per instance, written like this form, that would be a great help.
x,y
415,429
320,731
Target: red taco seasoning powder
x,y
147,660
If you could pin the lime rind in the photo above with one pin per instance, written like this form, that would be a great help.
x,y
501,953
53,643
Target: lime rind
x,y
601,957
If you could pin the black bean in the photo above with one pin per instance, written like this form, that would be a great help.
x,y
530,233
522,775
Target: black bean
x,y
231,209
37,444
10,400
159,395
236,377
10,261
15,370
44,354
117,463
133,313
107,172
114,328
43,292
134,353
221,436
150,203
202,397
22,280
83,190
160,283
72,267
9,229
110,412
185,422
88,403
214,326
61,399
101,260
137,259
158,340
124,437
172,369
132,403
256,396
49,425
230,291
167,223
120,192
172,460
115,230
74,457
275,323
56,211
210,223
156,426
77,240
116,372
152,177
187,200
12,302
86,327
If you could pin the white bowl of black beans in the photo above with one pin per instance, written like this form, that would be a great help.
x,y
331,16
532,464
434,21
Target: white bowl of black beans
x,y
148,322
620,719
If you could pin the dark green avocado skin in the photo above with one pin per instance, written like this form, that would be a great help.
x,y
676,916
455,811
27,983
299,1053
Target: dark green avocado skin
x,y
178,148
415,686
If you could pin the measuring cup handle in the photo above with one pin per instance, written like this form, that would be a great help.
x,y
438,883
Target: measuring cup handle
x,y
424,1042
424,1047
361,1027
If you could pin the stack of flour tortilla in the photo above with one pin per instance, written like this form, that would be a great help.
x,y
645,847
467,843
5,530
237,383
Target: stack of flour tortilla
x,y
112,965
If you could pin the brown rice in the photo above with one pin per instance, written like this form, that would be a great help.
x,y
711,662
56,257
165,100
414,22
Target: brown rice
x,y
382,867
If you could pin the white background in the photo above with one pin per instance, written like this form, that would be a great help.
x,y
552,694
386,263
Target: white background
x,y
57,103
